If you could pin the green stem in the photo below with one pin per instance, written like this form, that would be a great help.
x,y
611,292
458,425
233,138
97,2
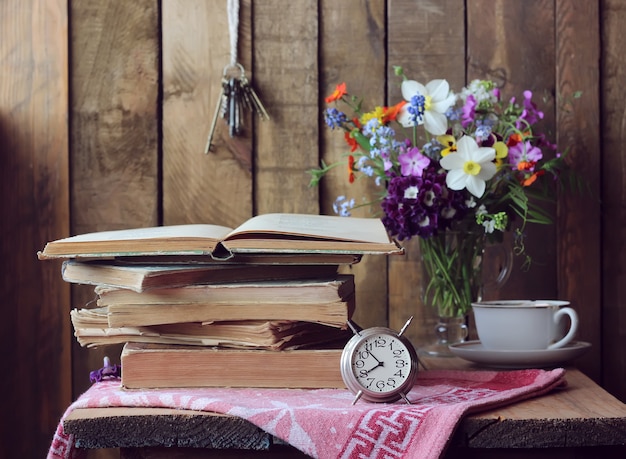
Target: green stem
x,y
453,274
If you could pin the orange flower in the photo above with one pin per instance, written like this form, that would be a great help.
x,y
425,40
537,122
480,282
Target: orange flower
x,y
526,165
391,113
514,139
351,169
530,180
337,94
351,141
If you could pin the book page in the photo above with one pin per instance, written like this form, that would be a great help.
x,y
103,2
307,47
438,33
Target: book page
x,y
201,231
318,226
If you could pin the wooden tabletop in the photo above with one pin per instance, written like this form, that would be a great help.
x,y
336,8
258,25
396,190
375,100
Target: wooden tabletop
x,y
581,415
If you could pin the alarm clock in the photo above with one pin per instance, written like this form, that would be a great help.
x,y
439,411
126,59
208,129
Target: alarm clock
x,y
378,364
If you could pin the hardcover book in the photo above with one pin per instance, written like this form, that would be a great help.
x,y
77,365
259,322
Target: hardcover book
x,y
141,277
166,366
330,301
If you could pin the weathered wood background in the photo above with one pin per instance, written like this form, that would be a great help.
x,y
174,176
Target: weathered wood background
x,y
105,107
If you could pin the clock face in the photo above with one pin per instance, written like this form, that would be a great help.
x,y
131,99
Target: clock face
x,y
382,363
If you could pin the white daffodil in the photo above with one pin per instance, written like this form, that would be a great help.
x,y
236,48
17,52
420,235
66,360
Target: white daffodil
x,y
469,167
437,100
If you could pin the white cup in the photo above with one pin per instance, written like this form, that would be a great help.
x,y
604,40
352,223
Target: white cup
x,y
520,325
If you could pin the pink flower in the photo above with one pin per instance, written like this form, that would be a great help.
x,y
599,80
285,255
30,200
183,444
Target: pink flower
x,y
412,162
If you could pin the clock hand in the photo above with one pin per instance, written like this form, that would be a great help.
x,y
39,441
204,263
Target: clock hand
x,y
374,357
379,364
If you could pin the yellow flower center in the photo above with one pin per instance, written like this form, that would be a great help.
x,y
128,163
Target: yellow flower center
x,y
427,103
471,168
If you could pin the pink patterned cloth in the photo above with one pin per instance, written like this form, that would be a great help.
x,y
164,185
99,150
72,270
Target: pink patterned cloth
x,y
323,423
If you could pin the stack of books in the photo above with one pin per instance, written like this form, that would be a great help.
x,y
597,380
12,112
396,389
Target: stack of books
x,y
263,305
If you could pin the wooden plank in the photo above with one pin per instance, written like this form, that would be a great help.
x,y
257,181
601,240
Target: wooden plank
x,y
114,131
613,193
362,22
127,427
578,129
426,38
286,75
518,60
592,452
581,415
34,332
198,187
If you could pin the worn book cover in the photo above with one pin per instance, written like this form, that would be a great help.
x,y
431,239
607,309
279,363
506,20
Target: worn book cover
x,y
91,329
319,290
334,314
141,277
161,366
329,301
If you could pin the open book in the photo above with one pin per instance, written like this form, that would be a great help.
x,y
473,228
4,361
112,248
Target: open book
x,y
263,234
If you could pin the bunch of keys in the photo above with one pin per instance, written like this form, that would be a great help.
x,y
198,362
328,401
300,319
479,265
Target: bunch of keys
x,y
236,95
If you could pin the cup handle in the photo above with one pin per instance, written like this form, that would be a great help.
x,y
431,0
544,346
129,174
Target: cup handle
x,y
572,328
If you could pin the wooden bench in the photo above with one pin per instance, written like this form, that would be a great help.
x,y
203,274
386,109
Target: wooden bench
x,y
582,420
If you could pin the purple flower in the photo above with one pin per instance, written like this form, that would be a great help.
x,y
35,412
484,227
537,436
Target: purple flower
x,y
524,151
543,142
421,206
412,162
334,118
108,371
530,114
469,111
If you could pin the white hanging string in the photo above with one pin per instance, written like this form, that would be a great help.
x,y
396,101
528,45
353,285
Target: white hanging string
x,y
233,29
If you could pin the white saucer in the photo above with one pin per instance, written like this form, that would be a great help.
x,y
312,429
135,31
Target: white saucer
x,y
475,352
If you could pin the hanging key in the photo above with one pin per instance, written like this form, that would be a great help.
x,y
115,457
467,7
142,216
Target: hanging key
x,y
218,114
257,105
233,108
246,102
225,98
236,96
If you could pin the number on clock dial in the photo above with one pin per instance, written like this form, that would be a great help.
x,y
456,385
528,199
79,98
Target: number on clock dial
x,y
381,363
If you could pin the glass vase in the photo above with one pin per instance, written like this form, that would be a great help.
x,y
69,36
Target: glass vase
x,y
452,278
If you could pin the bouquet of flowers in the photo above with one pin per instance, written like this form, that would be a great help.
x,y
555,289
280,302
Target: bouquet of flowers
x,y
446,163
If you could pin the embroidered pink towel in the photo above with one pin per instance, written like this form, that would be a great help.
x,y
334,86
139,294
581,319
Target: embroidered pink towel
x,y
324,424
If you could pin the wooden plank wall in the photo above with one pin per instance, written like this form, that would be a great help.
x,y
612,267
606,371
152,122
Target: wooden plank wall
x,y
103,124
612,185
114,135
35,336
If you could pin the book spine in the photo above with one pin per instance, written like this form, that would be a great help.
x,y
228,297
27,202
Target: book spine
x,y
231,368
